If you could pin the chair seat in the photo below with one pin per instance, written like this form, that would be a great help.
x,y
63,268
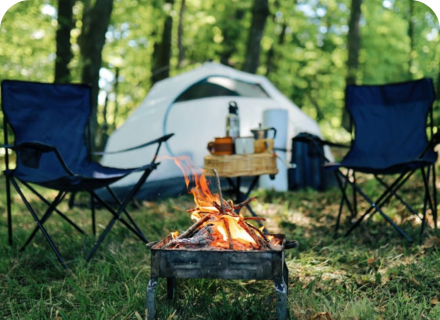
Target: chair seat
x,y
373,164
91,176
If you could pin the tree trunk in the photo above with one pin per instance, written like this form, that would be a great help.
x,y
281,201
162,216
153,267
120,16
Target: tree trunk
x,y
353,45
63,45
95,24
162,51
180,36
411,38
260,12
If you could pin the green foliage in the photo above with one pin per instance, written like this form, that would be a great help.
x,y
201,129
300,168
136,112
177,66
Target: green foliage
x,y
307,38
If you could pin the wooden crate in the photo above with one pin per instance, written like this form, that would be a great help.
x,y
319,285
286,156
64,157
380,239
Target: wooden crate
x,y
241,165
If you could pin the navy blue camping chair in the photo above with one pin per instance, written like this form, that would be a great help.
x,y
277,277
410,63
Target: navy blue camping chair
x,y
51,141
390,125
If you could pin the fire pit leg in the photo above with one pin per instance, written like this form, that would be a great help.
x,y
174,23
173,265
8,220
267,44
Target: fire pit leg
x,y
151,295
281,289
171,287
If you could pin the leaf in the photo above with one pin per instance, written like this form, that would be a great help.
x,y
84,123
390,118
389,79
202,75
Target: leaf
x,y
415,281
435,300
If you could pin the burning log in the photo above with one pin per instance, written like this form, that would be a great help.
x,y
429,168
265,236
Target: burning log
x,y
218,226
190,229
228,232
238,206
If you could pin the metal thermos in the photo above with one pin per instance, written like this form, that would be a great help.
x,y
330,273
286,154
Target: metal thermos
x,y
233,121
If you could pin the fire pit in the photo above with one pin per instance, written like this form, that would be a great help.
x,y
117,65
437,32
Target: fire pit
x,y
220,245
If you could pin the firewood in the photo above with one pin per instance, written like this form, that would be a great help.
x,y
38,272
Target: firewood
x,y
255,218
190,229
228,232
228,210
238,206
217,178
262,235
257,240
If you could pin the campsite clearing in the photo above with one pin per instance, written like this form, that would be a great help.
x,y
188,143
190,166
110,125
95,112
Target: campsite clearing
x,y
373,274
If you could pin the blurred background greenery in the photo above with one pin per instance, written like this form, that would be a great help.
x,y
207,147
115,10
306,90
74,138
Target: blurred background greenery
x,y
309,49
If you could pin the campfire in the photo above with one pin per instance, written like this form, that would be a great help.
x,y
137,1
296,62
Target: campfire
x,y
218,222
221,244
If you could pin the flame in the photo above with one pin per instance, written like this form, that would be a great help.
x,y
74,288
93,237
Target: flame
x,y
203,197
175,234
208,203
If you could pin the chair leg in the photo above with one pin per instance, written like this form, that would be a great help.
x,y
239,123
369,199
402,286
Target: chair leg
x,y
376,206
8,208
383,183
62,215
92,206
355,213
40,225
44,218
427,197
344,198
133,223
434,194
118,214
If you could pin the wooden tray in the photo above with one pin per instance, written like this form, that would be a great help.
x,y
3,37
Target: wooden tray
x,y
241,165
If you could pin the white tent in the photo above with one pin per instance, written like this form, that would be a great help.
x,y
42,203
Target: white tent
x,y
194,106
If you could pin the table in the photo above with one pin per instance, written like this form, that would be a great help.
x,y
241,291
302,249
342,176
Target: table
x,y
238,166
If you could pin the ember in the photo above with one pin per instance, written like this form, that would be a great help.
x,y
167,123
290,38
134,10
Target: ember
x,y
218,224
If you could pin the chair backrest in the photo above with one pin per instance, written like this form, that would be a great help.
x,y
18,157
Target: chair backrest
x,y
53,114
390,122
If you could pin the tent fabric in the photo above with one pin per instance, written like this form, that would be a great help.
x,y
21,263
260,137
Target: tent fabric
x,y
196,122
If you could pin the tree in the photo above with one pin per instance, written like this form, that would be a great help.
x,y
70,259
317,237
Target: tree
x,y
162,51
260,12
96,20
63,45
180,45
353,45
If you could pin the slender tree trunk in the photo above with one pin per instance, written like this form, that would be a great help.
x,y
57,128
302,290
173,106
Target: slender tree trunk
x,y
63,45
353,44
180,35
260,12
411,38
95,24
162,51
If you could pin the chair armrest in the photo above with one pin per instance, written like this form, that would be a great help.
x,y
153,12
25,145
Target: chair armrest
x,y
159,140
7,146
305,137
43,148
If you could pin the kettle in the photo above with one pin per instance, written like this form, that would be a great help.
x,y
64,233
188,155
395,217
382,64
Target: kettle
x,y
262,133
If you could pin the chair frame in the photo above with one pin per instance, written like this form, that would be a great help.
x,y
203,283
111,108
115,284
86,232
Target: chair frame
x,y
117,215
349,178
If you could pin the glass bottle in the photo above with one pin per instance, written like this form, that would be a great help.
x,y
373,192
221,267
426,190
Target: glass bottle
x,y
233,121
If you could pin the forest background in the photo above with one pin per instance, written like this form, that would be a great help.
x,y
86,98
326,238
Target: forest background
x,y
309,49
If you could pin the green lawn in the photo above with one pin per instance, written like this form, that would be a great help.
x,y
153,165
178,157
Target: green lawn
x,y
373,274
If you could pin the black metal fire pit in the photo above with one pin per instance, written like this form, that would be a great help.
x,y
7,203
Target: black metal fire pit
x,y
219,264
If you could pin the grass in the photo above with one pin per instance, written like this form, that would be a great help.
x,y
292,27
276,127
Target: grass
x,y
372,274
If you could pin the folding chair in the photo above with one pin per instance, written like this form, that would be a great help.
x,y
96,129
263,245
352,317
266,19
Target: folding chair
x,y
50,126
390,124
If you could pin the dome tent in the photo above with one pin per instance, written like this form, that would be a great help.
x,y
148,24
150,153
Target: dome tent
x,y
194,106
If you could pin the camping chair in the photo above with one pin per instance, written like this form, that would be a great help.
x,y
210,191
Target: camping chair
x,y
390,139
50,125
